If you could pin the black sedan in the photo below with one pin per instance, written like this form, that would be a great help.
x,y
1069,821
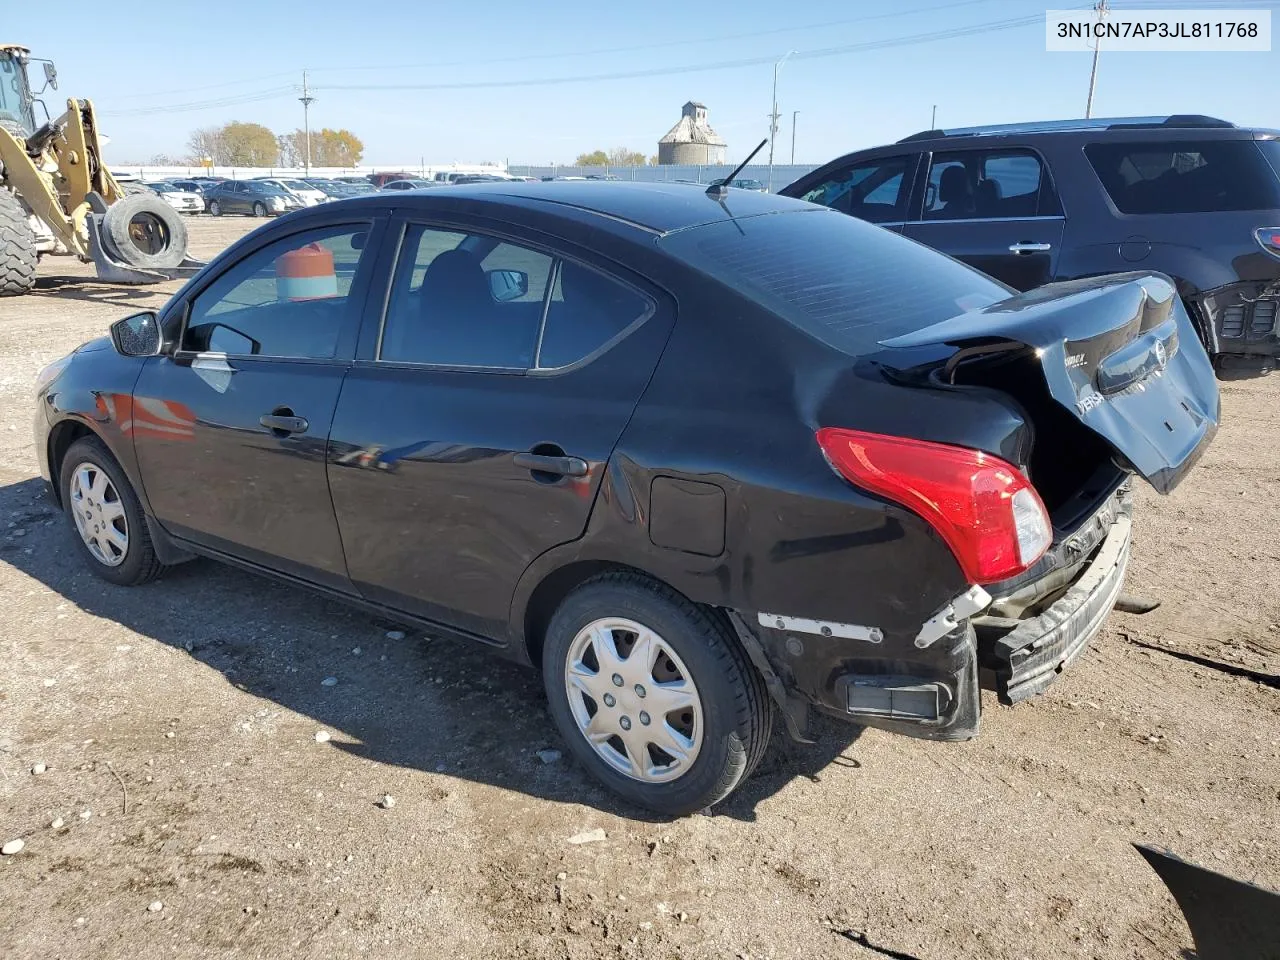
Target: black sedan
x,y
700,457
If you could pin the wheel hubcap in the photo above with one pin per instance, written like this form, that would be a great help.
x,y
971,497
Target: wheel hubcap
x,y
99,514
634,700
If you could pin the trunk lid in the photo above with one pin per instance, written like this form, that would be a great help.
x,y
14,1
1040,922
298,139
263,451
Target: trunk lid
x,y
1117,352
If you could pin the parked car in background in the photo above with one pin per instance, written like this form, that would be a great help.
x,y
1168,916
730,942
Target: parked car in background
x,y
256,198
407,185
742,183
308,194
621,437
480,178
380,180
184,201
1193,197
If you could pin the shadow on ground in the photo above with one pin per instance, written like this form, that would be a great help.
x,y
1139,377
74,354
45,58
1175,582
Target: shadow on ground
x,y
92,290
427,704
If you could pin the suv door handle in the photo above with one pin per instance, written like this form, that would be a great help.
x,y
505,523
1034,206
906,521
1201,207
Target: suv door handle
x,y
285,423
1030,247
540,463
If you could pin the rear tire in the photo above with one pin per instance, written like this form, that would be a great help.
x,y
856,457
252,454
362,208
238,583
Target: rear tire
x,y
17,248
144,220
111,529
724,730
259,210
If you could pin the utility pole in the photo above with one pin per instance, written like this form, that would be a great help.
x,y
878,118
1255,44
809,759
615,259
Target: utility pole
x,y
933,118
794,114
773,117
1101,8
307,100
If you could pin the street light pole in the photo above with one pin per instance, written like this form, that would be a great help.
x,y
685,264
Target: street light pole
x,y
773,116
306,100
794,114
933,118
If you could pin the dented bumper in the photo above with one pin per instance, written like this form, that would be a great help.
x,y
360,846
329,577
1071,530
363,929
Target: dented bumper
x,y
1028,658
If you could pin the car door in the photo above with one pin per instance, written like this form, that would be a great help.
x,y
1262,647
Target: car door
x,y
230,428
997,210
473,430
876,190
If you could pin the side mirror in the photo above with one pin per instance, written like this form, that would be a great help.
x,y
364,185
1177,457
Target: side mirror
x,y
507,285
138,335
51,74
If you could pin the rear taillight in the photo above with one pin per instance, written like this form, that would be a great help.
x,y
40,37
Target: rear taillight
x,y
983,507
1269,237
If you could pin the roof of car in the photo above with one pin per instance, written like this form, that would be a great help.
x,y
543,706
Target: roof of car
x,y
657,207
1093,125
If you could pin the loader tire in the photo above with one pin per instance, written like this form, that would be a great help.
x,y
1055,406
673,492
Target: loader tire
x,y
143,231
17,248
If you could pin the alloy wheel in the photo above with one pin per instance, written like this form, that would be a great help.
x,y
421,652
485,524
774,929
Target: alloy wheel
x,y
634,700
99,514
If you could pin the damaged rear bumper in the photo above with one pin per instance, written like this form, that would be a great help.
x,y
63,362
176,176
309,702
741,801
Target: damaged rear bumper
x,y
1029,657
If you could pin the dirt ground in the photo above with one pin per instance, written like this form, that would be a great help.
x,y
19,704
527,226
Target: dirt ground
x,y
177,726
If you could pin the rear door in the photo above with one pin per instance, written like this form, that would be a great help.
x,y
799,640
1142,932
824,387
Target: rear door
x,y
876,190
994,209
473,431
230,430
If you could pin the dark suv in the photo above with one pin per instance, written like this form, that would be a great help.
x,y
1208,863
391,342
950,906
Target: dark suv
x,y
1193,197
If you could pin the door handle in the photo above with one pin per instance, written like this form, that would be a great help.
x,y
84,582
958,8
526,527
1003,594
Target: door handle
x,y
541,463
1029,247
284,423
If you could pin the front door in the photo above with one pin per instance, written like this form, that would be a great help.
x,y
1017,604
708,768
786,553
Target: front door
x,y
472,434
996,210
230,431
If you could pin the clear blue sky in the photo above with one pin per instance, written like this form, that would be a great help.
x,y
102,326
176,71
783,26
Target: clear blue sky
x,y
149,64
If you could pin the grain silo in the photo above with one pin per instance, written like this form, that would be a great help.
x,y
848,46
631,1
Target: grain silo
x,y
692,141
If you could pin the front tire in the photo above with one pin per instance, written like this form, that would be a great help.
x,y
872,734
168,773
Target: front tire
x,y
106,518
215,209
675,730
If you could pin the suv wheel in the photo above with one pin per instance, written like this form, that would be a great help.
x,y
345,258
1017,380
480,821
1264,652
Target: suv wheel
x,y
653,694
106,515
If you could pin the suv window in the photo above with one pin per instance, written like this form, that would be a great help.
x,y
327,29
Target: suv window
x,y
874,190
1185,176
988,184
455,301
586,311
842,281
289,299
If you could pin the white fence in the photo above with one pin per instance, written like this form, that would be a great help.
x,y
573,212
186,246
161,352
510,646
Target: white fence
x,y
427,171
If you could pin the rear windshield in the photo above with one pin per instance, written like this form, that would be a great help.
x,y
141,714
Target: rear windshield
x,y
1185,176
844,281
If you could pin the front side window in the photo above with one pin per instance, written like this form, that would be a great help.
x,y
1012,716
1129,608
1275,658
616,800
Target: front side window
x,y
1185,176
289,299
875,190
987,185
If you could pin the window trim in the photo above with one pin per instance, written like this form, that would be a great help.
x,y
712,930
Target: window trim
x,y
389,271
364,271
1046,173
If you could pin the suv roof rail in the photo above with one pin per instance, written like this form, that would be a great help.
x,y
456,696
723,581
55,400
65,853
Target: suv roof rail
x,y
1063,126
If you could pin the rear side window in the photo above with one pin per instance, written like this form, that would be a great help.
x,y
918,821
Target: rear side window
x,y
840,280
1185,176
874,190
586,311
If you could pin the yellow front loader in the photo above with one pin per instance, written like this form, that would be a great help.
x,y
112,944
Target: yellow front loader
x,y
58,197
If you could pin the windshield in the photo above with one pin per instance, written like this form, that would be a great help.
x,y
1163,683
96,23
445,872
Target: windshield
x,y
846,282
15,105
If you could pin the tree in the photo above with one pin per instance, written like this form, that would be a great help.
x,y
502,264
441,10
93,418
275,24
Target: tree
x,y
622,157
597,158
329,148
653,161
235,144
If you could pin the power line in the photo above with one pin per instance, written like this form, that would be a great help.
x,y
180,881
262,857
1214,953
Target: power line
x,y
704,67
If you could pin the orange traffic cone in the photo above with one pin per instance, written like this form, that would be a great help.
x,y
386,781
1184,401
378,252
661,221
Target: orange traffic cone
x,y
306,274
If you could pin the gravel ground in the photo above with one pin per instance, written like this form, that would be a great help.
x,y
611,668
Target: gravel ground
x,y
198,813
